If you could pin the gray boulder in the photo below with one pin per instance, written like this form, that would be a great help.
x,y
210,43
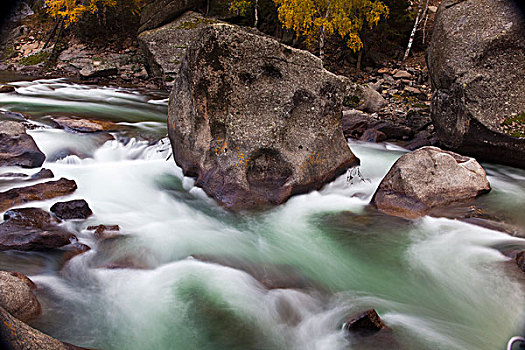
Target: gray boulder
x,y
428,178
18,148
17,296
477,63
363,98
165,47
159,12
254,120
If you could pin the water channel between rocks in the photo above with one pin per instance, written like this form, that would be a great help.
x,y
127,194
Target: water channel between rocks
x,y
438,283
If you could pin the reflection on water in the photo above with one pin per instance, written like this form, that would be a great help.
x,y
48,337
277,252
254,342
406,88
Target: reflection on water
x,y
185,274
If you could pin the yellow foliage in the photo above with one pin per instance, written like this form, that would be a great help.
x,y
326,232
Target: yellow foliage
x,y
344,17
72,10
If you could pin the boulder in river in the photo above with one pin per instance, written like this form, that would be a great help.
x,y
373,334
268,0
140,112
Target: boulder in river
x,y
159,12
32,229
75,209
165,47
254,120
16,335
17,148
365,324
428,178
476,62
84,125
17,296
38,192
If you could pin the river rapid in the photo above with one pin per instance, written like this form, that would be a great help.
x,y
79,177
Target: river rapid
x,y
438,283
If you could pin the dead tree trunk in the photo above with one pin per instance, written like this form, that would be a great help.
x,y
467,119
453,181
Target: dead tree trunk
x,y
420,15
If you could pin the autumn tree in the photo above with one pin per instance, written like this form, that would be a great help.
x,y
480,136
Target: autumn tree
x,y
70,11
318,18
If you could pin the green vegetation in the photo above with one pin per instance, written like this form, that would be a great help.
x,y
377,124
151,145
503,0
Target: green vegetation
x,y
517,119
351,101
194,24
35,58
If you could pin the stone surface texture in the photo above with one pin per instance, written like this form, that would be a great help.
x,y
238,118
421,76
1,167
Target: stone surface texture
x,y
256,121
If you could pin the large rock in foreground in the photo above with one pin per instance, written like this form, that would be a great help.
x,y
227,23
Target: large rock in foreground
x,y
18,148
17,296
16,335
477,63
428,178
256,121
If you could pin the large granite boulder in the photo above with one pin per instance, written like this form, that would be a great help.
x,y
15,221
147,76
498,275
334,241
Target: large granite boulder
x,y
254,120
17,296
16,335
18,148
165,47
477,63
428,178
159,12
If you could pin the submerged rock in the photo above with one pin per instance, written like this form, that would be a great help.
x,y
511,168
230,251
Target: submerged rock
x,y
32,229
104,231
38,192
75,209
365,324
165,47
428,178
254,120
17,296
477,63
18,148
271,276
84,125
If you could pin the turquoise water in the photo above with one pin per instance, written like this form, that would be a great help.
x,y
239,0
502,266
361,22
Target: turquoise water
x,y
438,283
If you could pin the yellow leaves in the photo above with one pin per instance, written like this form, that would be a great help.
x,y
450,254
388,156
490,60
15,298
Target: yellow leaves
x,y
240,7
72,10
344,17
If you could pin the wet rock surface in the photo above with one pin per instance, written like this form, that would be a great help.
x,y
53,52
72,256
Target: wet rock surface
x,y
84,125
256,121
32,229
17,296
75,209
17,148
104,231
365,324
477,63
42,191
428,178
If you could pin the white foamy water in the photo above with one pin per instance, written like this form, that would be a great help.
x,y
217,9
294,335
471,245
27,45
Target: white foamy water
x,y
438,283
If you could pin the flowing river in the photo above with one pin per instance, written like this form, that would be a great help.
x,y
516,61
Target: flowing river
x,y
438,283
